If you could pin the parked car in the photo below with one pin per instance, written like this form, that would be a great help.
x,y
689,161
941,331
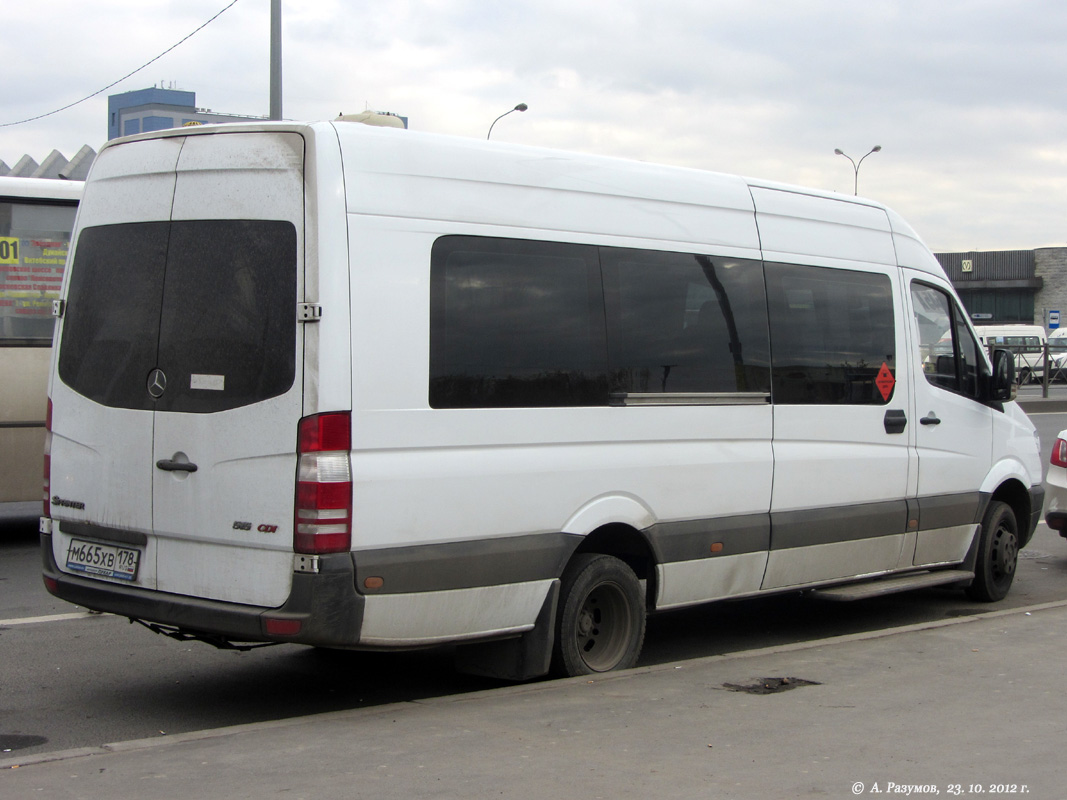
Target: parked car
x,y
1056,486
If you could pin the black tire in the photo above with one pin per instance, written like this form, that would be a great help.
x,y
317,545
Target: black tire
x,y
1024,376
600,621
998,554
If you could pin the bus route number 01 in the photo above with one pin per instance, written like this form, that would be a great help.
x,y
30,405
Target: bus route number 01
x,y
9,250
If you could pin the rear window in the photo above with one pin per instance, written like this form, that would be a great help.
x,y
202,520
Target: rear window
x,y
210,303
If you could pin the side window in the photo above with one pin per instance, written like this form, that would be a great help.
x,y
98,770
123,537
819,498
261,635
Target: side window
x,y
832,335
685,323
34,239
947,350
515,323
967,355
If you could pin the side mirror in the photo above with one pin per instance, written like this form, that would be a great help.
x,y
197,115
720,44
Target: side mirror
x,y
1002,383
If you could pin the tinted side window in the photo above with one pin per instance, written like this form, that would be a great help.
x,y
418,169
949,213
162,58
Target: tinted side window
x,y
685,323
111,323
515,323
831,333
211,303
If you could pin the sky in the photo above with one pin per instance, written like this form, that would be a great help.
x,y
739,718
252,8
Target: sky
x,y
965,97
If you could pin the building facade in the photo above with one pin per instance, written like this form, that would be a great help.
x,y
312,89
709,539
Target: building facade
x,y
1010,286
157,109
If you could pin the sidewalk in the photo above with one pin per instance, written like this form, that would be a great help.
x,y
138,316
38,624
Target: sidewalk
x,y
972,700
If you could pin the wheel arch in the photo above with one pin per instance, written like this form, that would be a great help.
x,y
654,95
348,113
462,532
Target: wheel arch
x,y
1017,496
630,546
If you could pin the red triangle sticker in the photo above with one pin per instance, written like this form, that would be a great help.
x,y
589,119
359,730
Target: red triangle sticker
x,y
885,381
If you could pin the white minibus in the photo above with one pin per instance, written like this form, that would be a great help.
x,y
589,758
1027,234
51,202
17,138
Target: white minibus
x,y
1026,343
36,219
359,387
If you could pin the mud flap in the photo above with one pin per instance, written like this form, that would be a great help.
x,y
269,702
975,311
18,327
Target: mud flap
x,y
518,659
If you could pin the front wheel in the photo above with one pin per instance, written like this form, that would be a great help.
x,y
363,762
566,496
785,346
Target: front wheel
x,y
600,624
998,554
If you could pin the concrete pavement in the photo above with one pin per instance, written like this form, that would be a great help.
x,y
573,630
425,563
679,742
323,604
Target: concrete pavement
x,y
967,702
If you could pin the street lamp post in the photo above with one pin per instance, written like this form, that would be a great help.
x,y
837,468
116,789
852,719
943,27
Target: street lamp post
x,y
275,59
856,166
519,107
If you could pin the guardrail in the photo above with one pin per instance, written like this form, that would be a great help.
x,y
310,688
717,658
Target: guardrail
x,y
1036,364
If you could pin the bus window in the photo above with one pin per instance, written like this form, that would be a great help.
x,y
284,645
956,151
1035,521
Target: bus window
x,y
36,218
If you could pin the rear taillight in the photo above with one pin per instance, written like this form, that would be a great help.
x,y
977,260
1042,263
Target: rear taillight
x,y
1059,453
323,520
47,486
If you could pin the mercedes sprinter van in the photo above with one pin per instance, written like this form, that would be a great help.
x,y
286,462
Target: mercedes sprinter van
x,y
360,387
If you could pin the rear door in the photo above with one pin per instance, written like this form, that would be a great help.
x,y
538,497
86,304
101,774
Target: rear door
x,y
180,364
102,422
229,352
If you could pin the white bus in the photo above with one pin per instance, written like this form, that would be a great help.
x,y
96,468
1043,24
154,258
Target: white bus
x,y
36,218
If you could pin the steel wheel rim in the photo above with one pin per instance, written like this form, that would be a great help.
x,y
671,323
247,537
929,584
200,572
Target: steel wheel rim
x,y
1005,553
602,629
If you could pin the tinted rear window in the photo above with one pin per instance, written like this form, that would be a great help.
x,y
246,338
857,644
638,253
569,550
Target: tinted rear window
x,y
210,303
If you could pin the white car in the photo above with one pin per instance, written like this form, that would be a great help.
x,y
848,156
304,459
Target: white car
x,y
1056,486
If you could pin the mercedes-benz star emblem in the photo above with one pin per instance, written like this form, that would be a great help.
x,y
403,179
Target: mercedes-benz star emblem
x,y
157,383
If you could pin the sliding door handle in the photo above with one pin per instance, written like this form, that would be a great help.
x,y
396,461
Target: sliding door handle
x,y
176,466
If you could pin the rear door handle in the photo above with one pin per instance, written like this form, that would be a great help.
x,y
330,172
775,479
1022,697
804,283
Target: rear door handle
x,y
176,466
930,419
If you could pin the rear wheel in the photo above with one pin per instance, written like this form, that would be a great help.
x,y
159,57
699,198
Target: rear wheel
x,y
600,624
998,554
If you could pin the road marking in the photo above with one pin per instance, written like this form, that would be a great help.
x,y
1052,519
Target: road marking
x,y
6,623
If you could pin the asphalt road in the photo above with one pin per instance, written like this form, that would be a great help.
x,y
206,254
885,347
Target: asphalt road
x,y
69,679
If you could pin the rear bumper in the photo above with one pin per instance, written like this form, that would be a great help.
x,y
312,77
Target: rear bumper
x,y
324,603
1057,520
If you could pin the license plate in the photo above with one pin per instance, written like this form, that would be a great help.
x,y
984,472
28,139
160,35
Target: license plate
x,y
104,560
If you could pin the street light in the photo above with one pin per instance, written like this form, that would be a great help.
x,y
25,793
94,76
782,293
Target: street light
x,y
856,166
519,107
